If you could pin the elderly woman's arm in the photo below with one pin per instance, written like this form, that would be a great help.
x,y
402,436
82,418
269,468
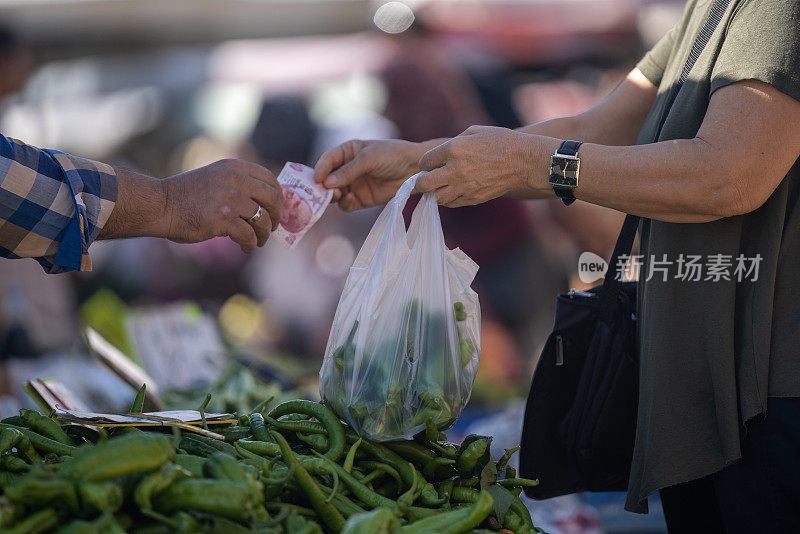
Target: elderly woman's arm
x,y
747,143
365,173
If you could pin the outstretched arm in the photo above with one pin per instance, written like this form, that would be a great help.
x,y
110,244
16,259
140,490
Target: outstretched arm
x,y
366,173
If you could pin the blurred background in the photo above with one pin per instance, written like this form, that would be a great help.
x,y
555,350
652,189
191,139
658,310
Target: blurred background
x,y
170,85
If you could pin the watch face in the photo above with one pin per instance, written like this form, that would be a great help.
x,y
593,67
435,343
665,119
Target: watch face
x,y
564,171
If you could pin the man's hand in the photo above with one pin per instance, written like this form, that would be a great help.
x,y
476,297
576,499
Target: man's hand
x,y
212,201
483,163
366,173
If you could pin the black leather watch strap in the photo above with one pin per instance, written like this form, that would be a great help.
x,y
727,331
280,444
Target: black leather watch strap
x,y
567,148
565,194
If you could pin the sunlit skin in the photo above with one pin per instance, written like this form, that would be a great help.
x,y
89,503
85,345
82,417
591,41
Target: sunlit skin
x,y
740,154
212,201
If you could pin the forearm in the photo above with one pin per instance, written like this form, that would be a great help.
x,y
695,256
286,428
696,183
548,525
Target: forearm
x,y
659,181
140,210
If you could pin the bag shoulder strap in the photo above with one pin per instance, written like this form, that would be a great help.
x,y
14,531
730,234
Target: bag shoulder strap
x,y
612,284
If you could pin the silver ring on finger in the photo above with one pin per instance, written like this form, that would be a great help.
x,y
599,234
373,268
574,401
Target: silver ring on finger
x,y
257,216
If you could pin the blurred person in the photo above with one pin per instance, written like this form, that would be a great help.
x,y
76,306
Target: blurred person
x,y
16,62
708,157
54,205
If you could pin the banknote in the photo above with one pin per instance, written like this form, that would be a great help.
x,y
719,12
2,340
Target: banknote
x,y
304,202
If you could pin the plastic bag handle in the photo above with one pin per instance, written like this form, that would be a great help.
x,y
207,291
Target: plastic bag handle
x,y
397,226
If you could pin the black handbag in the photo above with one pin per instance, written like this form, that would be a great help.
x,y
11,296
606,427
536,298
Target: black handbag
x,y
580,417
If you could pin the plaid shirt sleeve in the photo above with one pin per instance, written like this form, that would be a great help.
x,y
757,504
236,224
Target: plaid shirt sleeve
x,y
52,205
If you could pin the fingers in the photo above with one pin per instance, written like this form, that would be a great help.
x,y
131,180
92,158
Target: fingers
x,y
432,180
335,158
434,158
269,196
263,226
243,234
347,173
350,202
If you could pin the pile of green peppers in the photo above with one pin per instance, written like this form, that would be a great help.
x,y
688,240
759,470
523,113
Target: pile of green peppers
x,y
294,469
417,373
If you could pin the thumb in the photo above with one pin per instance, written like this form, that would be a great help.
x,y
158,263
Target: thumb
x,y
348,173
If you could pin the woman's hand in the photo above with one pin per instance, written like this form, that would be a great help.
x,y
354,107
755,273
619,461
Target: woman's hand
x,y
486,162
366,173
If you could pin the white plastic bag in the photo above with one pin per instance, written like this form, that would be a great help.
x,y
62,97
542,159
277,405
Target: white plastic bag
x,y
397,356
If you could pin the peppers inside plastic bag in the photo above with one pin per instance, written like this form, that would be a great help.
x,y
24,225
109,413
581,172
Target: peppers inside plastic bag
x,y
405,343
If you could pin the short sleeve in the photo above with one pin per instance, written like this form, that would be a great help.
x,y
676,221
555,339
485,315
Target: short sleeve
x,y
653,64
762,42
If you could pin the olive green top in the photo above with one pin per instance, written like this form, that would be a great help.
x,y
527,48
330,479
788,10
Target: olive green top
x,y
713,351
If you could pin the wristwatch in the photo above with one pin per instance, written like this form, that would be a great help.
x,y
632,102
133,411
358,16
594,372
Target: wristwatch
x,y
565,167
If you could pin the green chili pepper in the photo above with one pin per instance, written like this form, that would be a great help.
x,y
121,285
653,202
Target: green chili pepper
x,y
36,492
466,482
219,497
224,467
469,456
359,490
261,448
9,462
191,463
321,413
158,481
411,451
351,456
15,420
305,426
44,426
258,427
41,521
456,521
8,478
327,512
516,482
378,521
221,446
428,496
41,443
119,456
138,401
431,467
503,461
80,433
100,497
12,438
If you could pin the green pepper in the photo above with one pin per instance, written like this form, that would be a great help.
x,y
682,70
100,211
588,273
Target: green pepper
x,y
218,497
191,463
158,481
44,426
454,522
9,462
32,491
41,521
518,482
41,443
100,497
321,413
327,512
258,427
470,455
119,456
13,438
460,312
378,521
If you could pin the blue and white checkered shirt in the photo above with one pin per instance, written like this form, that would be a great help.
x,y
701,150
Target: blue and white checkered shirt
x,y
52,205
